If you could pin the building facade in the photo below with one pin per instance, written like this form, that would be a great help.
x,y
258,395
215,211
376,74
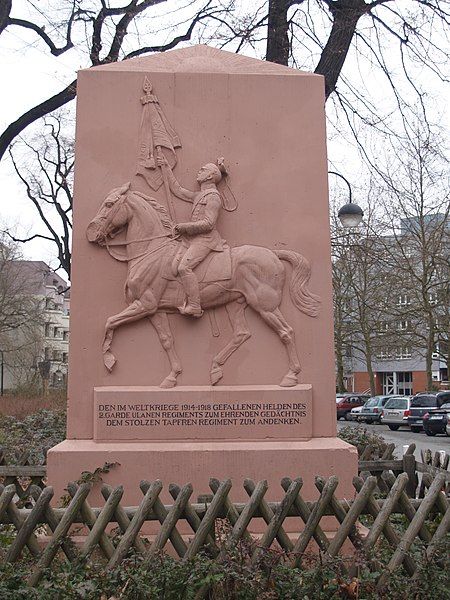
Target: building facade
x,y
394,293
36,353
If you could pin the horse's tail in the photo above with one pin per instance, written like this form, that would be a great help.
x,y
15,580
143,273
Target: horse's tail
x,y
303,299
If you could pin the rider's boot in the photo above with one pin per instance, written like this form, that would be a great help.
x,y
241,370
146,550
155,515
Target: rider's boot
x,y
192,307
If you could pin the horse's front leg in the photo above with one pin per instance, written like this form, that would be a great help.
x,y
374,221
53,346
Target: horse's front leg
x,y
160,322
135,311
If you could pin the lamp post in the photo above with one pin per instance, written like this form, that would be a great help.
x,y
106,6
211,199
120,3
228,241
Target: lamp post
x,y
350,215
2,373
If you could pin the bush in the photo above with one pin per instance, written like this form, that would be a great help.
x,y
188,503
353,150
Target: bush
x,y
233,579
35,433
361,437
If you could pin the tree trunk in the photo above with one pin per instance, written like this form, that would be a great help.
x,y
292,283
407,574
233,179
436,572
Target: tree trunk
x,y
368,356
340,369
278,46
345,19
373,390
429,354
5,9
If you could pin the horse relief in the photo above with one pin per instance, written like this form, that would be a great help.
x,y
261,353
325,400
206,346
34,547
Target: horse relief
x,y
179,268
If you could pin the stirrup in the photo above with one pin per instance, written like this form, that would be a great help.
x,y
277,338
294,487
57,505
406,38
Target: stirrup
x,y
191,311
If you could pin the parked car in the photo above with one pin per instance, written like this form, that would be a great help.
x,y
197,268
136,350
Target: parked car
x,y
396,412
423,403
345,404
436,420
355,412
372,410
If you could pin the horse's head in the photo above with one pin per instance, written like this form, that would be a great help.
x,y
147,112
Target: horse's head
x,y
111,217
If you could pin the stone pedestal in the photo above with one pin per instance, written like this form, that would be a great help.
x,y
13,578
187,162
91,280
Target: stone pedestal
x,y
268,122
194,461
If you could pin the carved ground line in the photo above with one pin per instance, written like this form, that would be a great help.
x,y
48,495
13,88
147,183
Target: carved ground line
x,y
239,516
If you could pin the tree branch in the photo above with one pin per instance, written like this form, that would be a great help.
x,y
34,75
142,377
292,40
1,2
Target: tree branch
x,y
49,105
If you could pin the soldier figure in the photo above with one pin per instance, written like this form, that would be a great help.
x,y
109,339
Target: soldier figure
x,y
200,233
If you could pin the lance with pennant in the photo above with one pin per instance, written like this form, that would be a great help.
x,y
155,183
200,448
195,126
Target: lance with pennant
x,y
157,138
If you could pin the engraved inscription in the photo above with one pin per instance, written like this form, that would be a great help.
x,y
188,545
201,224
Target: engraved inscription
x,y
202,415
149,414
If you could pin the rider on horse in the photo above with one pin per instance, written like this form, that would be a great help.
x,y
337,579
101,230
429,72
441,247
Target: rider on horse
x,y
200,235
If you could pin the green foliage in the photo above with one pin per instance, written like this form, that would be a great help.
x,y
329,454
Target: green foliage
x,y
232,579
359,436
34,433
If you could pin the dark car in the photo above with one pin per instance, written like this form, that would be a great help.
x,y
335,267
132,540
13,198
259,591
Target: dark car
x,y
373,409
436,420
344,404
422,404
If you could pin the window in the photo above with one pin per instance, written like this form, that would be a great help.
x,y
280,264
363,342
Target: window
x,y
403,300
384,353
48,353
403,352
65,336
49,304
65,357
397,403
57,355
432,298
403,325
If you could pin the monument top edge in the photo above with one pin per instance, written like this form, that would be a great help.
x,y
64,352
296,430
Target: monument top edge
x,y
200,59
303,387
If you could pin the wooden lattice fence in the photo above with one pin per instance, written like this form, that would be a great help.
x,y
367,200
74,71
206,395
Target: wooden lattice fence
x,y
202,519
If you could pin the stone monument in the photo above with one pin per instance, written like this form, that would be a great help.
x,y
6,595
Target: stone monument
x,y
201,308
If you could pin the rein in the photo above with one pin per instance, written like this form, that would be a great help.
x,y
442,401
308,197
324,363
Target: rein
x,y
109,244
145,253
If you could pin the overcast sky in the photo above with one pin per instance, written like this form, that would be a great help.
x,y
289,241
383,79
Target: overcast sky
x,y
28,75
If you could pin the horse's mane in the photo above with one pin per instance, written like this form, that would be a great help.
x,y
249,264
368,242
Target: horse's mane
x,y
166,221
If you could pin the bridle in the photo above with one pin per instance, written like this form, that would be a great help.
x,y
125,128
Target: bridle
x,y
118,203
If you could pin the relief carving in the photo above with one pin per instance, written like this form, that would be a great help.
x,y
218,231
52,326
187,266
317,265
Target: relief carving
x,y
189,268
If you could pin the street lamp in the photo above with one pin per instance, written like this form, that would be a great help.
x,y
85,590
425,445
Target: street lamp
x,y
350,215
2,372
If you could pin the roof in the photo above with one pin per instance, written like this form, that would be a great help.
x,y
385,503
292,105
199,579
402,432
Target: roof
x,y
201,58
38,275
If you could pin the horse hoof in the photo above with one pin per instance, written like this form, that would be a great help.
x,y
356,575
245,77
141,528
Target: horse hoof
x,y
289,380
109,360
216,375
169,382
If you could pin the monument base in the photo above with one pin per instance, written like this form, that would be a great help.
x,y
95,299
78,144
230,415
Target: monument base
x,y
195,462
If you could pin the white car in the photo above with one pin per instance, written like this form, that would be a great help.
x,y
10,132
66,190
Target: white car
x,y
355,413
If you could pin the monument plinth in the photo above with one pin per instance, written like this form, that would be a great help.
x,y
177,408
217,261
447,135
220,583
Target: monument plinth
x,y
201,308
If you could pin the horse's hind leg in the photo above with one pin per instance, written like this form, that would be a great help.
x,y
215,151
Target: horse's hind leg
x,y
241,333
285,332
160,322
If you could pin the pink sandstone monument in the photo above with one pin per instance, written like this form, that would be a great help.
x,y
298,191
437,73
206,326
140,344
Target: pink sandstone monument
x,y
201,311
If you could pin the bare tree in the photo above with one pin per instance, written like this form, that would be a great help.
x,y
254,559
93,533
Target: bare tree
x,y
361,306
416,192
21,315
315,34
99,30
46,170
18,309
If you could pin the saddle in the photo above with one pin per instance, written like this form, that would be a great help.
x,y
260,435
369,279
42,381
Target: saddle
x,y
215,267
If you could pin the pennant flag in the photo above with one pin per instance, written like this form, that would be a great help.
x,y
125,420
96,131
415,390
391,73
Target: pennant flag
x,y
156,135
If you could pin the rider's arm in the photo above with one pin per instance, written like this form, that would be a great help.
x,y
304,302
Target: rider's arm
x,y
180,192
207,224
